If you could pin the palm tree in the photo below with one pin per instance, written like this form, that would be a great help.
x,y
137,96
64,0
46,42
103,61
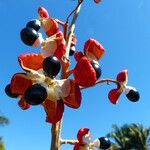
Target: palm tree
x,y
1,145
3,121
130,137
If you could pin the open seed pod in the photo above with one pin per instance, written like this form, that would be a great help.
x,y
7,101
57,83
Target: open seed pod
x,y
54,110
26,61
84,73
54,45
73,98
60,92
114,95
81,133
50,26
19,83
93,50
22,104
122,77
43,13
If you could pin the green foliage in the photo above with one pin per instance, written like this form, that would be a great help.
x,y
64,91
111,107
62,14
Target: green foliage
x,y
3,120
130,137
1,144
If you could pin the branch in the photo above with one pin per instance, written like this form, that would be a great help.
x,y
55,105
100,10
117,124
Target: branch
x,y
71,28
74,10
71,142
107,80
65,59
56,128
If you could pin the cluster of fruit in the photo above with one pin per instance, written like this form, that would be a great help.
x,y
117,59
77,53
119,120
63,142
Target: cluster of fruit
x,y
39,83
85,141
131,93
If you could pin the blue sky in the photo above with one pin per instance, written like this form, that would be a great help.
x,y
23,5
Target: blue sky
x,y
123,27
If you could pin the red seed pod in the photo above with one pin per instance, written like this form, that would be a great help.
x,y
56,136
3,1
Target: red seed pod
x,y
114,95
84,73
77,146
54,46
54,110
23,105
19,83
27,63
78,55
93,50
43,13
97,1
82,132
122,76
50,26
73,100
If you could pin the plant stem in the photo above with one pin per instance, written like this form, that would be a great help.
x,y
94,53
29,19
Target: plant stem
x,y
107,80
55,144
71,142
56,128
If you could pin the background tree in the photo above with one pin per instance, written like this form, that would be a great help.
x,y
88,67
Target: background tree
x,y
3,121
132,136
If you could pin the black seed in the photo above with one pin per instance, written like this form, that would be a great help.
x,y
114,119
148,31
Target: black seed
x,y
35,94
28,36
9,93
51,66
35,24
133,95
97,69
72,51
104,143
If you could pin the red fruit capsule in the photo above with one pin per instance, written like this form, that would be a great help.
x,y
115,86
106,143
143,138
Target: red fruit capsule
x,y
73,100
84,73
43,13
93,50
78,55
82,132
22,104
114,95
54,110
97,1
122,76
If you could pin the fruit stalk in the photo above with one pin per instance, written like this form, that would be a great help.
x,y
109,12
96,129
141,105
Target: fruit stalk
x,y
56,128
71,142
107,80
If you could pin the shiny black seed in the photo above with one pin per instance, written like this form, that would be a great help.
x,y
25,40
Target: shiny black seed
x,y
51,66
97,69
72,51
104,143
35,24
9,93
133,95
29,36
35,94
